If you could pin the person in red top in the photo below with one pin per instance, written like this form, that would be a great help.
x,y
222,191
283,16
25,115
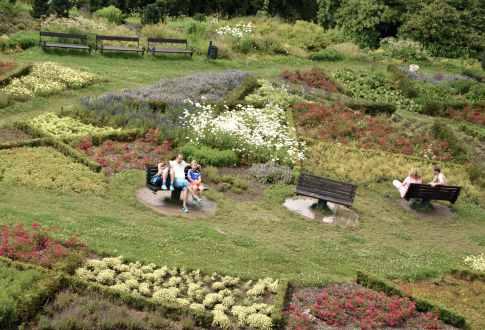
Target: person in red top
x,y
403,187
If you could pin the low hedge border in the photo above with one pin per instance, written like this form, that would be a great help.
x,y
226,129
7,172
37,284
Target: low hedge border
x,y
25,143
30,304
279,303
445,314
468,275
18,72
372,108
120,136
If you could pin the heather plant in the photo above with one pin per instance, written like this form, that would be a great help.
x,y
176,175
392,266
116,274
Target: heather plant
x,y
47,78
315,78
352,306
271,173
231,301
66,127
373,87
38,247
46,168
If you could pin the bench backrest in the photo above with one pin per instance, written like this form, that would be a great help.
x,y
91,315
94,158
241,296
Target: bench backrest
x,y
117,38
150,172
168,41
428,192
81,37
326,189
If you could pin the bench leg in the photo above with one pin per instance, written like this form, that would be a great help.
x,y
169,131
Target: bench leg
x,y
420,204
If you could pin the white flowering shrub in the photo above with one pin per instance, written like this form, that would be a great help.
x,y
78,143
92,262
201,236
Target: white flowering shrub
x,y
477,263
231,301
47,78
236,31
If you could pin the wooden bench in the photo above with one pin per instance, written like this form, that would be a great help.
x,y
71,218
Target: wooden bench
x,y
326,190
103,48
150,173
427,193
76,41
153,49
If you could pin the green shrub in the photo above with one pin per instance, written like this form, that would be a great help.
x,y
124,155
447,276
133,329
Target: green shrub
x,y
372,108
4,100
151,14
22,39
329,54
209,156
211,174
482,60
461,86
476,173
476,93
237,95
407,50
111,13
443,132
271,173
476,74
40,8
438,108
200,17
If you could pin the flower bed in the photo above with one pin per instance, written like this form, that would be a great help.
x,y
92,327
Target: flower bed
x,y
38,247
315,78
477,263
115,156
47,78
370,166
352,306
373,87
46,168
66,127
472,114
341,124
236,31
230,300
12,135
91,310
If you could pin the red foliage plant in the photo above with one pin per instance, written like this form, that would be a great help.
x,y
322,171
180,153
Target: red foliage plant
x,y
341,124
354,306
475,115
314,78
36,246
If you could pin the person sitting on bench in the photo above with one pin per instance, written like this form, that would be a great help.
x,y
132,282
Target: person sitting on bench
x,y
160,179
439,178
195,181
403,187
178,180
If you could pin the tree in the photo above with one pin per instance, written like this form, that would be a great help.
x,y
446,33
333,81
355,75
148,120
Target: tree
x,y
326,12
61,7
40,8
151,14
367,21
439,27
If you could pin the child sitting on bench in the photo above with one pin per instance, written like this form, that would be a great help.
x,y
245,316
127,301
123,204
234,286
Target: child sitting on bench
x,y
195,181
403,187
439,178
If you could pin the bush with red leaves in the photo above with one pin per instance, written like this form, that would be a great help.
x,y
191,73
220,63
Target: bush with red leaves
x,y
36,246
344,306
341,124
475,115
314,78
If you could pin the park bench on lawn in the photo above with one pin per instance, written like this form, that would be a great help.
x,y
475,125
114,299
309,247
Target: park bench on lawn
x,y
426,193
64,40
100,39
326,190
150,173
168,46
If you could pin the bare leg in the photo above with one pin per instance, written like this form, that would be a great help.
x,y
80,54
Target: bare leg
x,y
184,196
172,176
164,175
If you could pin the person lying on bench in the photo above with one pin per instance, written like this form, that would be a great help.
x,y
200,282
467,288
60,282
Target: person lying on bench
x,y
178,181
439,178
403,187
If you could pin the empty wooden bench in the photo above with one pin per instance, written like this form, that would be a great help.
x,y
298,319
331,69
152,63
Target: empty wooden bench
x,y
64,40
168,46
427,193
326,190
100,39
150,173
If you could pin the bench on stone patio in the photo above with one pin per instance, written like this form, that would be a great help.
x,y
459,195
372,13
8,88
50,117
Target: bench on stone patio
x,y
326,190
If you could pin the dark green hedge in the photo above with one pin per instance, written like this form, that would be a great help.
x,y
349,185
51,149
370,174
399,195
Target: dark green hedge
x,y
32,301
32,131
25,143
20,71
280,304
468,275
206,155
121,136
476,74
238,94
446,315
69,151
372,108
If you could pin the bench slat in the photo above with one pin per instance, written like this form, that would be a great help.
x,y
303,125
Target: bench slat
x,y
59,45
168,40
326,189
63,35
120,49
117,38
428,192
170,50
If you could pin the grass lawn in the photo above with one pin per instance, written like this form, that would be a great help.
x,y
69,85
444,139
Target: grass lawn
x,y
251,239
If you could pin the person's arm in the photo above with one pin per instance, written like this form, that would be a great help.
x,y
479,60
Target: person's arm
x,y
160,169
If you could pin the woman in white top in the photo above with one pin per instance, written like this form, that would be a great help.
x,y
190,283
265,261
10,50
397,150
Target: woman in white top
x,y
403,187
439,178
